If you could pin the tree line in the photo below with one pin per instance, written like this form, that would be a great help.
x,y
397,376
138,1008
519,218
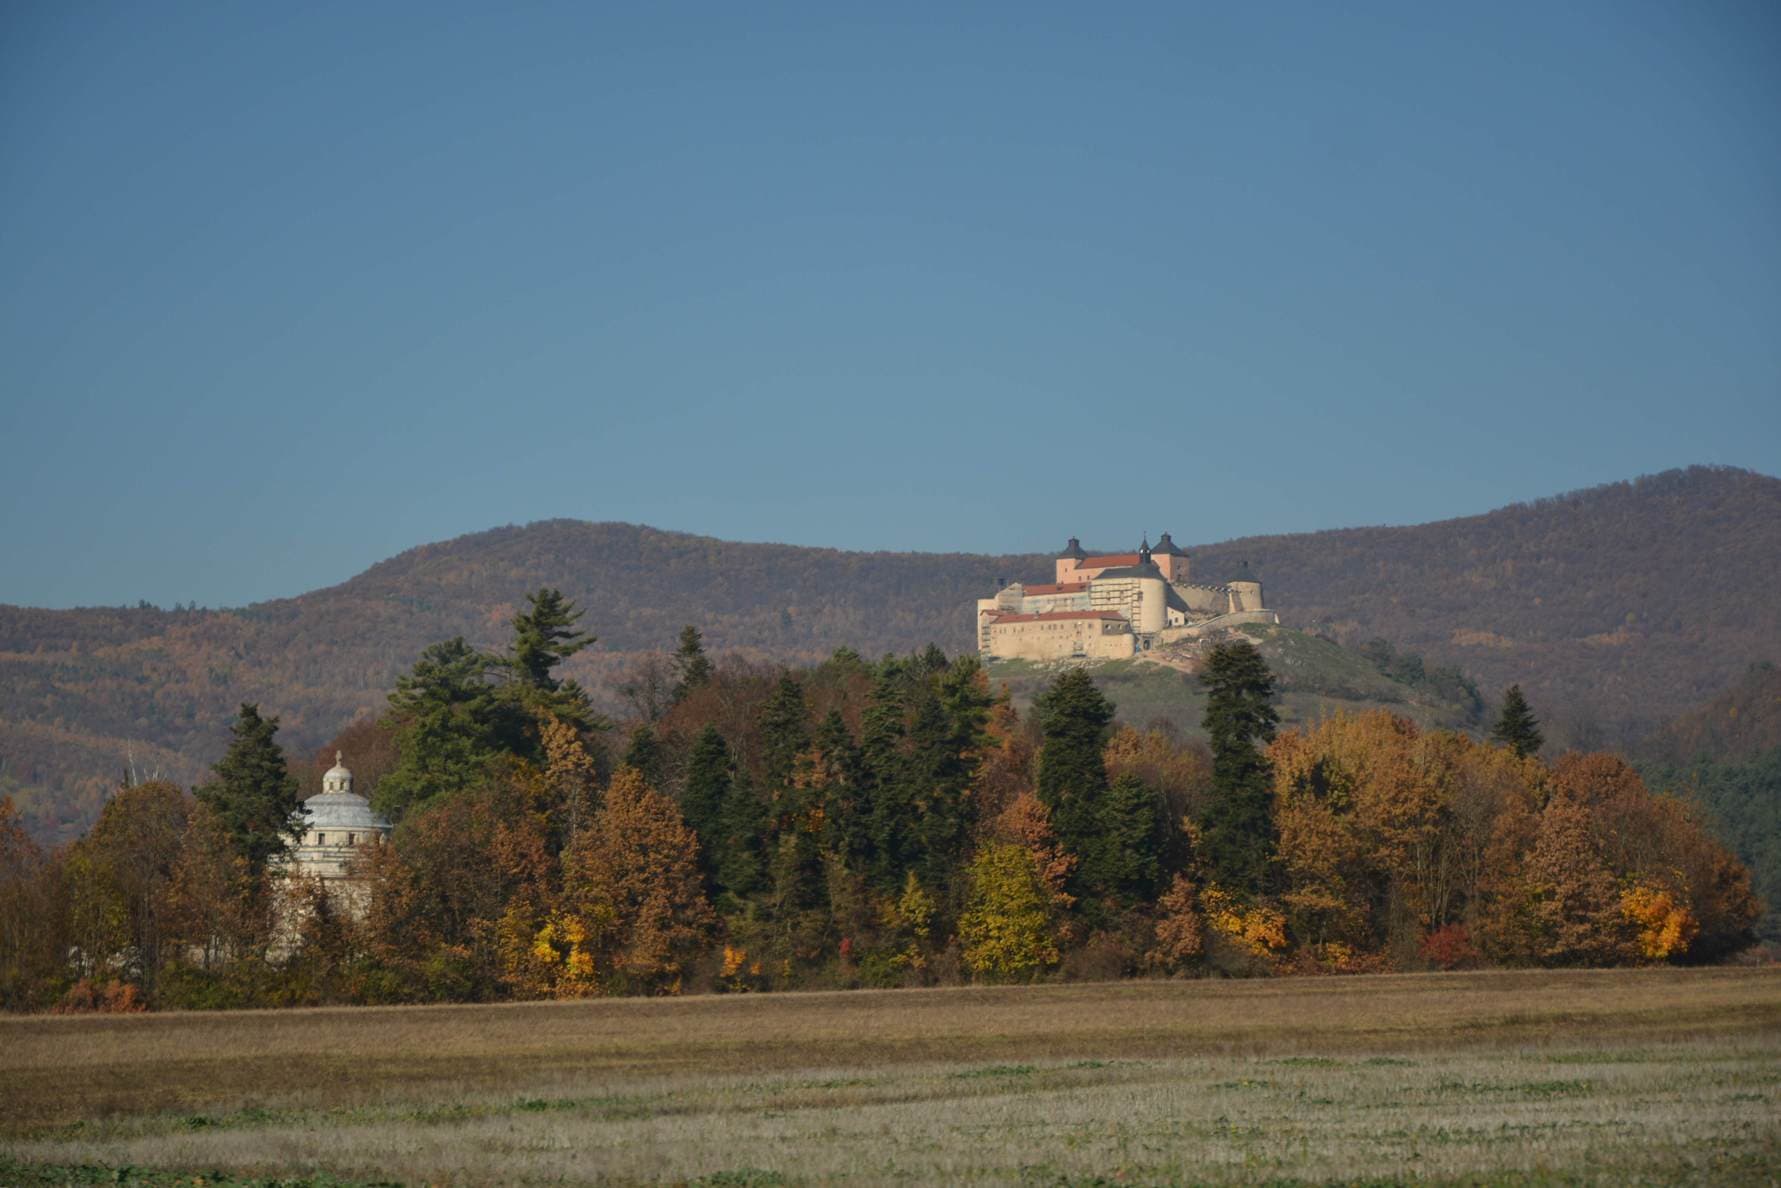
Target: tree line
x,y
854,823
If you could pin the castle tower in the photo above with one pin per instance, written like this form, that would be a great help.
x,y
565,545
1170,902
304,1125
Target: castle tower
x,y
1246,590
1069,560
1171,559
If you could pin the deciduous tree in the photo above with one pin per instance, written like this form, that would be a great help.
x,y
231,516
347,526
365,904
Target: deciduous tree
x,y
638,866
1006,928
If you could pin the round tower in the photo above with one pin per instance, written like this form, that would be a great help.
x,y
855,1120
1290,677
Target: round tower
x,y
1246,590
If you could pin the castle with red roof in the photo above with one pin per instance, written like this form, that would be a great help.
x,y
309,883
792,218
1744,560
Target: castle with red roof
x,y
1111,606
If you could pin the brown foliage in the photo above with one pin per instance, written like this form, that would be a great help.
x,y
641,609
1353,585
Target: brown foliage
x,y
33,917
633,879
1676,554
1180,936
1181,773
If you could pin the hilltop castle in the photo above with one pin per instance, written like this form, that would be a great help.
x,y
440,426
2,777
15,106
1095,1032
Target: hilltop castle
x,y
1110,606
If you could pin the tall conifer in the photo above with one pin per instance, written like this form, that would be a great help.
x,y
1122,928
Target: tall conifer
x,y
1074,719
1238,835
1516,727
254,795
692,667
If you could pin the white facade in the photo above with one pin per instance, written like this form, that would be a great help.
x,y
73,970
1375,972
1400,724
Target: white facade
x,y
1147,592
337,824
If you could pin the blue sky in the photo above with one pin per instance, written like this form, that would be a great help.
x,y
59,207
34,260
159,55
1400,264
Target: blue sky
x,y
290,288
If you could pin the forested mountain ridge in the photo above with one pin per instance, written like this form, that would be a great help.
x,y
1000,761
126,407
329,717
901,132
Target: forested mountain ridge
x,y
1616,608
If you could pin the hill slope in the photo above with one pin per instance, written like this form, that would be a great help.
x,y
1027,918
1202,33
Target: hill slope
x,y
1316,679
1616,608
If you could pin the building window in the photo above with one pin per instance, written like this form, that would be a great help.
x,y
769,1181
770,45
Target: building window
x,y
321,839
351,840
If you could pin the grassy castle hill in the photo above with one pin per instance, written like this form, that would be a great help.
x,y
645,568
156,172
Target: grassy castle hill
x,y
1318,679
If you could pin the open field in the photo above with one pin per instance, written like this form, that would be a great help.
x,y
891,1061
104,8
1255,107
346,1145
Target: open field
x,y
1514,1077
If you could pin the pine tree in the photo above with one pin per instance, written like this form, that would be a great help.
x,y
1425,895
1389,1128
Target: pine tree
x,y
889,807
645,754
846,829
543,637
1074,719
254,795
741,839
1237,834
1125,860
450,721
785,732
946,736
1516,726
707,785
692,668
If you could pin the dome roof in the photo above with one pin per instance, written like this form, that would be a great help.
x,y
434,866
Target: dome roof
x,y
1165,546
1073,549
338,778
341,810
338,806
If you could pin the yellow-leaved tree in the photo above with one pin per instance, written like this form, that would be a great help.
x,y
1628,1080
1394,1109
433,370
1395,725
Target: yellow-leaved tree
x,y
1006,928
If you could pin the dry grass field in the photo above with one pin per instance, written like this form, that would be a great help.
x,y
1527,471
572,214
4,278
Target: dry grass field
x,y
1659,1076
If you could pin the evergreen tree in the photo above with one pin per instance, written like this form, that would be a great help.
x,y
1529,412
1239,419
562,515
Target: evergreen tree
x,y
1125,861
1516,727
449,722
846,828
645,754
692,667
1237,833
741,839
930,660
707,787
726,814
254,795
543,637
946,735
1074,719
785,732
889,802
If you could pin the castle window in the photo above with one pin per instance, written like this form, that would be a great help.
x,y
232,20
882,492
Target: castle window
x,y
321,839
351,840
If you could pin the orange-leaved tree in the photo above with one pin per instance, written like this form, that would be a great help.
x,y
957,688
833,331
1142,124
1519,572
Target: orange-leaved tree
x,y
632,879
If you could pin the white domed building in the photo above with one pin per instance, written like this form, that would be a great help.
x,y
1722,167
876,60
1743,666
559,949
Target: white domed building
x,y
337,824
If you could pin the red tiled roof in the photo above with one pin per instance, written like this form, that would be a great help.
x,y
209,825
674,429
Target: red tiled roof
x,y
1056,588
1052,616
1108,561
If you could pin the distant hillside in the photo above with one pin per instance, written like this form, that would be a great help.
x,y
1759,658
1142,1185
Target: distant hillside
x,y
1616,608
1739,723
1317,679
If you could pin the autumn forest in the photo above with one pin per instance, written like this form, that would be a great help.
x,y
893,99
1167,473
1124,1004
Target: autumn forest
x,y
855,823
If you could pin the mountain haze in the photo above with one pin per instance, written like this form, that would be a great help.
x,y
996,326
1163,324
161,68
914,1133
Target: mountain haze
x,y
1616,609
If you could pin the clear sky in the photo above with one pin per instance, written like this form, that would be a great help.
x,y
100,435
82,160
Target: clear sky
x,y
291,287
